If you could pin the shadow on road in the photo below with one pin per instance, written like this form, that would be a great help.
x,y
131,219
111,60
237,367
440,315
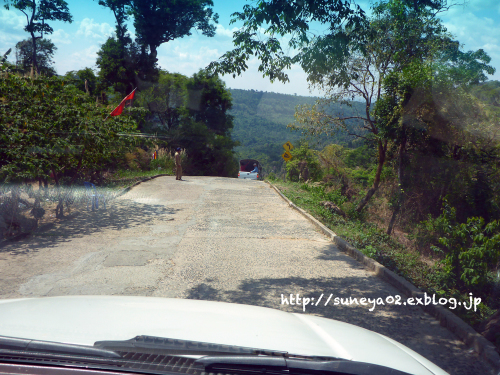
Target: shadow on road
x,y
406,324
122,214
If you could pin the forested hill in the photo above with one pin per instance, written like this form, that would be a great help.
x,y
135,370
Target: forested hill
x,y
260,124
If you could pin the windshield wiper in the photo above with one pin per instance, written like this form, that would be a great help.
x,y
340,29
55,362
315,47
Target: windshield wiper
x,y
282,366
162,345
10,344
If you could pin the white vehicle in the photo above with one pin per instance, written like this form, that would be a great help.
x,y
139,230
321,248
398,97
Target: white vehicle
x,y
86,335
246,168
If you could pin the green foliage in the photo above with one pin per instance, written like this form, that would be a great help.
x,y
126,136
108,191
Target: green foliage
x,y
471,250
320,194
47,126
284,18
118,65
45,50
158,22
489,94
361,157
300,155
41,12
166,101
192,113
79,77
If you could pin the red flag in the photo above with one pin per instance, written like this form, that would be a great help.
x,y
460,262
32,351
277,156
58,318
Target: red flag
x,y
118,110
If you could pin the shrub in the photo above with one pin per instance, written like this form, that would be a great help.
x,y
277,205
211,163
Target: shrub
x,y
303,154
471,250
165,160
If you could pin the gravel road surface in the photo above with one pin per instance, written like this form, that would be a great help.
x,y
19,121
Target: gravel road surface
x,y
216,239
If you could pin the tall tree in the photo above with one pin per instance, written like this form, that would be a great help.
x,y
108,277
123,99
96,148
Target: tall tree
x,y
291,20
157,22
166,102
398,39
45,50
160,21
120,11
117,66
37,13
208,135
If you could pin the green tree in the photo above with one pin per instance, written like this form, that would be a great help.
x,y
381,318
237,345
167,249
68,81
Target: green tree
x,y
192,113
117,67
37,13
303,157
166,102
207,137
47,126
45,50
119,52
120,11
399,41
157,22
84,80
346,28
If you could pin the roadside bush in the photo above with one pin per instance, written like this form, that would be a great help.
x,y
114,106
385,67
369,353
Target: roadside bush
x,y
271,176
470,250
303,156
138,159
164,161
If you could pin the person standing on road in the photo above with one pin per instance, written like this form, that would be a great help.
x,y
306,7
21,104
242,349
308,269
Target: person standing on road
x,y
178,167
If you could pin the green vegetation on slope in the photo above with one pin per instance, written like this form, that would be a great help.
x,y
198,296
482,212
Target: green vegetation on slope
x,y
260,125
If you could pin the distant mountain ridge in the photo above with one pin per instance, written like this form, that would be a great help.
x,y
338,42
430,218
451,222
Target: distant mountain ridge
x,y
260,124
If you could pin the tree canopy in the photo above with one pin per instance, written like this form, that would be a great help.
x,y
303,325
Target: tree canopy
x,y
404,48
47,126
45,50
155,23
345,27
37,13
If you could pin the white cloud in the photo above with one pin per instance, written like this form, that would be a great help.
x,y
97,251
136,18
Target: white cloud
x,y
99,31
11,20
11,31
221,30
77,60
252,79
60,37
475,32
474,5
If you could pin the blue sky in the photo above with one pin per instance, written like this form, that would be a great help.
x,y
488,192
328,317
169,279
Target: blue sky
x,y
477,25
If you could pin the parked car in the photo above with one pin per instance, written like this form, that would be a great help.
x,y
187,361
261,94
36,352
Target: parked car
x,y
85,335
246,168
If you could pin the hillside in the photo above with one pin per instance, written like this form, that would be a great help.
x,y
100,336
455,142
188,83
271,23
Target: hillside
x,y
260,125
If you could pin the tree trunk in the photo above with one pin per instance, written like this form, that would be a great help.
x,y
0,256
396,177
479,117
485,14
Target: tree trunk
x,y
33,58
382,148
402,147
75,175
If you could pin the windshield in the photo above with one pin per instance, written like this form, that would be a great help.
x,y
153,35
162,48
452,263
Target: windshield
x,y
331,159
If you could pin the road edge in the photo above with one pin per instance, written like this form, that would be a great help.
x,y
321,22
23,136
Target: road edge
x,y
447,319
127,189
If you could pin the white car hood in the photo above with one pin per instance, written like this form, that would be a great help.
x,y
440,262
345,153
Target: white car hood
x,y
87,319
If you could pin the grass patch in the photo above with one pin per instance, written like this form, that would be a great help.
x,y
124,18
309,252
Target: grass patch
x,y
126,178
372,241
365,236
